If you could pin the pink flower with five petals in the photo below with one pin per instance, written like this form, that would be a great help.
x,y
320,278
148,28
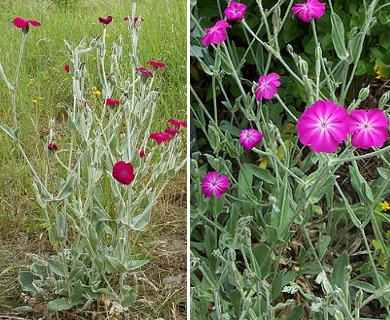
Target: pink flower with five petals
x,y
267,86
214,184
324,125
312,9
216,34
235,11
249,138
368,128
123,172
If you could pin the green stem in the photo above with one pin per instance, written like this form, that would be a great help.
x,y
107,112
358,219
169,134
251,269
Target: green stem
x,y
13,95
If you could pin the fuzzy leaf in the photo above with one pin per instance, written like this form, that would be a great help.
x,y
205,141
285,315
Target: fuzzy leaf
x,y
59,304
26,279
338,36
114,265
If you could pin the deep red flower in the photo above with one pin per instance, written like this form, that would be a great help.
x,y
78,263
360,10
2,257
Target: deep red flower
x,y
67,67
145,72
178,123
135,19
23,24
171,131
142,153
105,20
156,64
52,147
123,172
112,102
160,137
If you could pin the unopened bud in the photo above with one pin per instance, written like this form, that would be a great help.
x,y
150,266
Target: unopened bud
x,y
364,92
383,100
126,86
231,255
303,66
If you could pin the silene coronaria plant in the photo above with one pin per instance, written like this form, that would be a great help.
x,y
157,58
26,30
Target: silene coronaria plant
x,y
102,181
290,161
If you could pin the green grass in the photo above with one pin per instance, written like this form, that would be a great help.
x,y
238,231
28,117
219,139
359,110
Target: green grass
x,y
163,37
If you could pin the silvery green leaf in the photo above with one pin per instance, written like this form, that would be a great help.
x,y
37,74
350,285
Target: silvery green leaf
x,y
136,264
338,33
114,265
59,304
140,221
26,279
66,188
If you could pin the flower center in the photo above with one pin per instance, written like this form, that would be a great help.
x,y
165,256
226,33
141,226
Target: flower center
x,y
324,124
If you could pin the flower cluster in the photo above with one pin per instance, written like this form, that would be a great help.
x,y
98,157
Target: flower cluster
x,y
307,11
124,172
324,125
217,34
169,132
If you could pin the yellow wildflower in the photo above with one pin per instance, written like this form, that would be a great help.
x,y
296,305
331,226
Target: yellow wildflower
x,y
34,101
31,82
96,92
385,206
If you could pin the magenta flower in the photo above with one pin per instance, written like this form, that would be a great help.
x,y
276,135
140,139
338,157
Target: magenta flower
x,y
323,125
156,64
67,67
267,86
216,34
312,9
160,137
24,23
123,172
105,21
52,147
145,72
171,131
235,11
178,123
214,184
368,128
112,102
249,138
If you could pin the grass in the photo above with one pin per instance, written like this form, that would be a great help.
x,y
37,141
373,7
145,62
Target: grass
x,y
45,91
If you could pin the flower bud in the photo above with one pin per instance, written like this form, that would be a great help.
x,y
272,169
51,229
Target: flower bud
x,y
217,253
303,66
126,86
359,299
95,42
383,100
364,92
231,255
